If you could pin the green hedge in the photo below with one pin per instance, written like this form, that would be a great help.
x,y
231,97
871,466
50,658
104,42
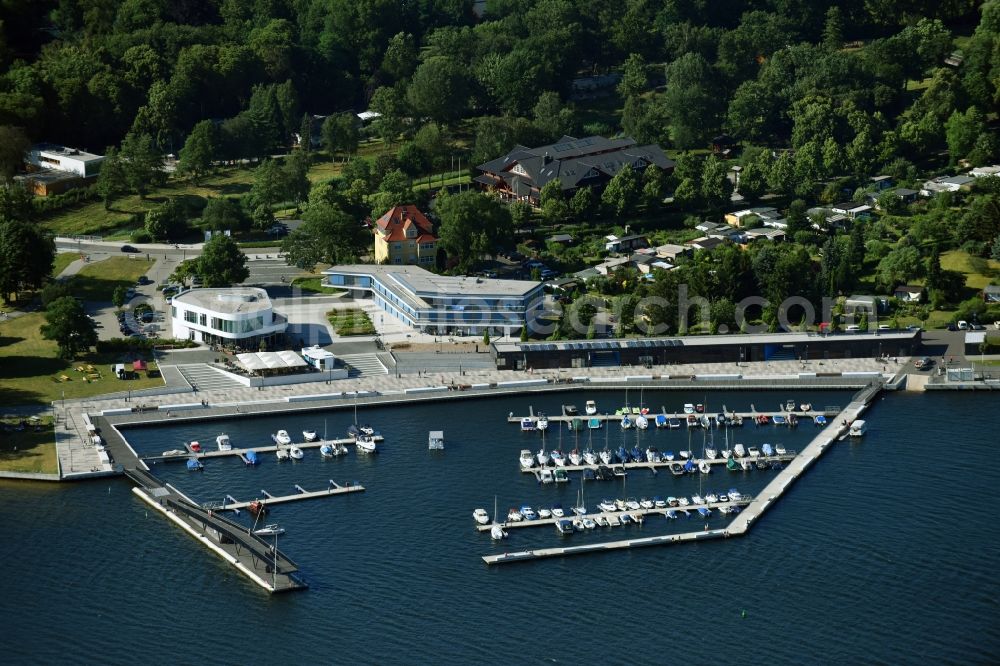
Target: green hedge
x,y
146,344
68,199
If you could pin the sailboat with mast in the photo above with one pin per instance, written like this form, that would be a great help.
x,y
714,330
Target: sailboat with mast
x,y
588,455
542,456
574,456
605,455
497,532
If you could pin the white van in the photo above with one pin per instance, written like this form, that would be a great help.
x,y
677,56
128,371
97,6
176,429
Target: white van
x,y
963,325
853,328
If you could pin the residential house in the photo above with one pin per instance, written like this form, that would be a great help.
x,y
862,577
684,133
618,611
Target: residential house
x,y
945,184
315,130
831,220
593,161
991,293
986,171
737,219
858,303
706,243
563,239
851,210
672,252
54,169
404,235
764,234
880,183
625,243
909,293
907,196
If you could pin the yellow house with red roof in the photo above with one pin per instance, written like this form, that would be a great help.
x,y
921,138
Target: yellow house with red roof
x,y
404,235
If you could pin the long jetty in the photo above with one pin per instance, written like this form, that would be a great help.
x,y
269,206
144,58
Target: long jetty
x,y
741,524
747,416
655,466
267,499
543,522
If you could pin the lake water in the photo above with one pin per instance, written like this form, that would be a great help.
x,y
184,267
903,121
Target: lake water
x,y
885,551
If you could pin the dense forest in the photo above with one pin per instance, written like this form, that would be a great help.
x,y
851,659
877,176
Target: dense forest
x,y
821,95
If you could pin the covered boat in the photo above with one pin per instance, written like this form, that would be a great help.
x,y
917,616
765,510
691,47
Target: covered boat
x,y
661,421
194,465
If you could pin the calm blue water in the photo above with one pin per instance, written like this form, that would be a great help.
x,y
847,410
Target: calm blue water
x,y
884,552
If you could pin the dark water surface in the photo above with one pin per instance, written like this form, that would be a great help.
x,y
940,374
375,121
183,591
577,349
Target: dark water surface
x,y
886,551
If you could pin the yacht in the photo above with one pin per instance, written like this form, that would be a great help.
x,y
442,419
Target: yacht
x,y
590,457
753,452
282,438
575,458
558,511
711,453
688,408
329,450
652,455
858,428
528,513
590,408
514,516
746,465
661,421
527,424
767,449
295,453
282,454
542,456
780,450
697,499
558,459
365,444
668,456
605,456
626,423
607,506
309,435
588,523
546,476
641,422
646,503
269,530
739,451
497,533
544,513
480,516
527,459
711,498
704,467
543,422
222,441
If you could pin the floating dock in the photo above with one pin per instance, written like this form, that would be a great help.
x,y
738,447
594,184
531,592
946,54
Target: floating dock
x,y
268,448
267,499
745,519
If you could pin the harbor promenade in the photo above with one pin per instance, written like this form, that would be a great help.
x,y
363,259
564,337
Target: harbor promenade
x,y
79,459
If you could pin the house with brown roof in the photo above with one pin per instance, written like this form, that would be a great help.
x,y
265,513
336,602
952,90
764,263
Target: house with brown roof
x,y
404,235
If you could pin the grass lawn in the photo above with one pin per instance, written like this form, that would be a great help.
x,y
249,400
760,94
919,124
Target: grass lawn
x,y
979,272
31,449
98,281
63,259
314,284
351,322
31,370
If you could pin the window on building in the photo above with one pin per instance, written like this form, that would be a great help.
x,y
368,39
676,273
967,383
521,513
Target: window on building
x,y
191,316
202,319
173,312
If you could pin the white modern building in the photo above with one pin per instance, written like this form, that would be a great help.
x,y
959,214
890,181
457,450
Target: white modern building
x,y
237,317
443,304
68,160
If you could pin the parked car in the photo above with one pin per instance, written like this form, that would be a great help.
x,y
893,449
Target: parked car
x,y
128,248
952,327
144,280
924,363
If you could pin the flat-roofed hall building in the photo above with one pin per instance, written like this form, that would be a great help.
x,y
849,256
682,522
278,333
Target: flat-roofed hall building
x,y
442,304
240,316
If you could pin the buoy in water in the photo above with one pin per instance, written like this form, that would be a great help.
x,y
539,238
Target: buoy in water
x,y
743,613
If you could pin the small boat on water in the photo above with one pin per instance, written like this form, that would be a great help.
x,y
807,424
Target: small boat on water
x,y
711,453
514,516
641,422
223,443
194,465
688,408
605,456
704,467
295,453
250,457
819,420
699,408
590,457
480,516
767,449
778,419
805,407
626,423
195,447
692,421
561,475
588,523
594,424
564,526
558,459
546,476
173,453
497,533
674,423
753,452
739,451
668,456
544,513
780,450
542,456
575,458
527,459
711,498
269,530
365,444
590,408
858,428
527,424
652,455
789,405
282,438
697,499
435,440
704,511
570,410
528,513
257,508
281,454
332,450
746,464
309,435
661,421
732,465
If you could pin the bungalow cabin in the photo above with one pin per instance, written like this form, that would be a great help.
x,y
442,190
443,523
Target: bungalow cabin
x,y
708,227
737,218
563,239
852,210
625,243
609,266
705,243
881,183
671,252
776,223
991,293
775,235
662,265
643,262
858,303
986,171
935,186
909,293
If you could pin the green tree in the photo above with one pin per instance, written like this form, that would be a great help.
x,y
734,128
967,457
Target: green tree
x,y
27,253
54,290
634,79
168,221
14,144
142,163
432,140
833,29
622,193
223,213
995,249
112,180
961,131
753,180
552,117
340,134
654,185
221,263
553,201
439,89
269,186
327,235
200,150
394,190
472,225
295,176
67,323
390,102
715,185
898,267
690,100
797,218
118,297
781,178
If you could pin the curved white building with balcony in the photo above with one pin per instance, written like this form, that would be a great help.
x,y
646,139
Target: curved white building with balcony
x,y
236,317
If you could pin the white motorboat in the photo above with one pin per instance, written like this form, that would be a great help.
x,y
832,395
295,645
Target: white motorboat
x,y
858,428
704,467
557,458
746,465
174,452
652,455
683,501
558,511
528,513
527,424
269,530
331,450
543,422
711,454
726,454
711,498
544,513
641,422
295,453
646,503
753,452
590,408
366,430
527,459
605,456
688,408
697,499
739,451
514,516
590,457
632,504
685,455
588,523
365,443
497,533
546,475
309,435
282,438
435,440
480,516
780,450
607,506
575,458
542,456
222,441
282,454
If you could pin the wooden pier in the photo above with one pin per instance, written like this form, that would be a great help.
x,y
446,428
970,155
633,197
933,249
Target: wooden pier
x,y
267,499
741,524
691,509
